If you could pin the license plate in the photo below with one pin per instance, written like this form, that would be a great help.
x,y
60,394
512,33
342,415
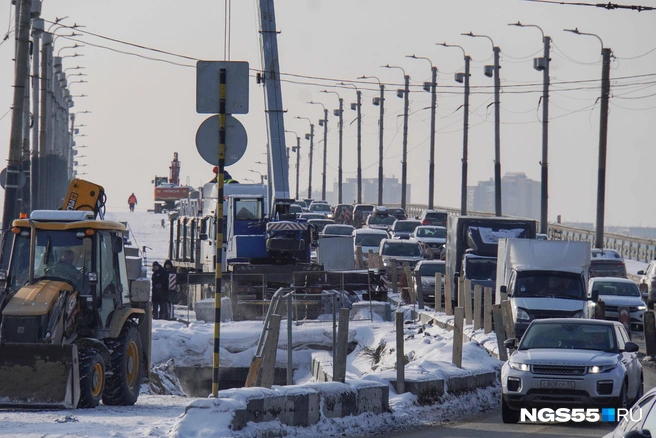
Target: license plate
x,y
557,384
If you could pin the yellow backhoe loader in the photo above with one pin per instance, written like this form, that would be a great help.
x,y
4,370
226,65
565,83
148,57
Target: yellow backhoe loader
x,y
75,327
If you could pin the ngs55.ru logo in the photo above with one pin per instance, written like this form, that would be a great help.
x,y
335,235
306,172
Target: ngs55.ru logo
x,y
579,415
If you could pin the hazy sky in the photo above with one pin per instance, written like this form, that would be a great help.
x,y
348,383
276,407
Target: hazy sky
x,y
144,110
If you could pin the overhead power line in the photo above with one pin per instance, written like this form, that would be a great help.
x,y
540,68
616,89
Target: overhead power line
x,y
608,6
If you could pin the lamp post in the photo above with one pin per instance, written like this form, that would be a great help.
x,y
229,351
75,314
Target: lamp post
x,y
432,87
310,137
489,72
296,149
404,164
379,101
323,123
358,107
603,137
460,78
339,113
262,176
542,64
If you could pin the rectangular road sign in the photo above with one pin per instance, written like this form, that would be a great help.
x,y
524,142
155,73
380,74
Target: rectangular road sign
x,y
207,87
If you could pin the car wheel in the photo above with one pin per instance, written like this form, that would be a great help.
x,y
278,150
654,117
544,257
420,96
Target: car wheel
x,y
623,399
123,385
508,415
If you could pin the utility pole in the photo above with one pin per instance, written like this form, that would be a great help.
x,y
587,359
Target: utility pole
x,y
359,104
432,87
603,137
497,133
465,141
297,149
20,81
311,154
325,153
542,64
37,30
339,113
45,133
603,143
404,164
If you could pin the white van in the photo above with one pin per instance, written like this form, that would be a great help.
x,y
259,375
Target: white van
x,y
369,239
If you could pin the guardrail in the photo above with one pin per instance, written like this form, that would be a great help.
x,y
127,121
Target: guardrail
x,y
630,247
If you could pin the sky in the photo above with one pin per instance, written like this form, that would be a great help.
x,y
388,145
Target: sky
x,y
143,110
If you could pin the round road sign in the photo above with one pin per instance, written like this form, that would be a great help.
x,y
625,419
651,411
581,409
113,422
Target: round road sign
x,y
207,140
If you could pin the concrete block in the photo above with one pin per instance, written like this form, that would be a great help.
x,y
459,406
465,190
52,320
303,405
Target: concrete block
x,y
301,407
466,383
205,310
427,391
372,396
336,399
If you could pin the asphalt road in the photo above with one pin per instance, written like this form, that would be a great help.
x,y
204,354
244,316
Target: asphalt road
x,y
489,424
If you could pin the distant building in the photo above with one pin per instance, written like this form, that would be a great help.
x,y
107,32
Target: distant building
x,y
520,196
391,191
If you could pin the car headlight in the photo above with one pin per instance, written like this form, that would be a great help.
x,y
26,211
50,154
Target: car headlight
x,y
578,314
519,366
521,314
598,369
642,307
329,216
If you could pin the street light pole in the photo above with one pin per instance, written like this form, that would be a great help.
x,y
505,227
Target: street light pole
x,y
603,138
431,162
542,64
497,121
460,78
380,101
358,107
323,123
310,137
297,149
404,163
340,114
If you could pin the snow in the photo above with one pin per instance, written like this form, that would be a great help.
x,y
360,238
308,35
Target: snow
x,y
190,344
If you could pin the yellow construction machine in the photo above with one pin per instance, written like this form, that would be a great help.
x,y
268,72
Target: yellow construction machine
x,y
75,324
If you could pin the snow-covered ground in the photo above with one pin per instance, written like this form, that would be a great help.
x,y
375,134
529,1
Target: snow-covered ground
x,y
179,344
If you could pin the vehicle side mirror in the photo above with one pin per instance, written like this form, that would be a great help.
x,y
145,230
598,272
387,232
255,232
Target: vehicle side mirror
x,y
503,289
640,272
643,433
510,344
117,244
202,236
594,296
631,347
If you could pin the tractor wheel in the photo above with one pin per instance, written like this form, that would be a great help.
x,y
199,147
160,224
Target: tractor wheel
x,y
124,382
92,378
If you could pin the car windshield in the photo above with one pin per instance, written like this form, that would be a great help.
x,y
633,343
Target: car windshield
x,y
295,209
337,230
622,289
381,220
430,269
570,335
432,232
406,226
401,249
320,207
549,284
369,239
481,269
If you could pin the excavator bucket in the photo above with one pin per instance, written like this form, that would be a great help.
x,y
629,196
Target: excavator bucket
x,y
39,376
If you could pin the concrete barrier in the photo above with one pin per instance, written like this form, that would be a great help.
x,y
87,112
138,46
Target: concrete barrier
x,y
205,310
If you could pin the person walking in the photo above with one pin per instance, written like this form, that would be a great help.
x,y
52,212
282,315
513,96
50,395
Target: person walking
x,y
172,293
160,284
132,201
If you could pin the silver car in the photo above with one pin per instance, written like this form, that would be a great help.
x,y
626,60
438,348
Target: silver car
x,y
570,363
617,293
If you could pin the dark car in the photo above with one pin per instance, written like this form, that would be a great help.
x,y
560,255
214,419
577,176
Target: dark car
x,y
398,213
434,217
360,213
403,229
427,269
607,263
318,225
380,221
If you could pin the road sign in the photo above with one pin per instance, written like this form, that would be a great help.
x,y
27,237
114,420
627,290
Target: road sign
x,y
22,179
207,87
207,140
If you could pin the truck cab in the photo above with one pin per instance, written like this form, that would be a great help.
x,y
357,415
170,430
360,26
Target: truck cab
x,y
543,279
